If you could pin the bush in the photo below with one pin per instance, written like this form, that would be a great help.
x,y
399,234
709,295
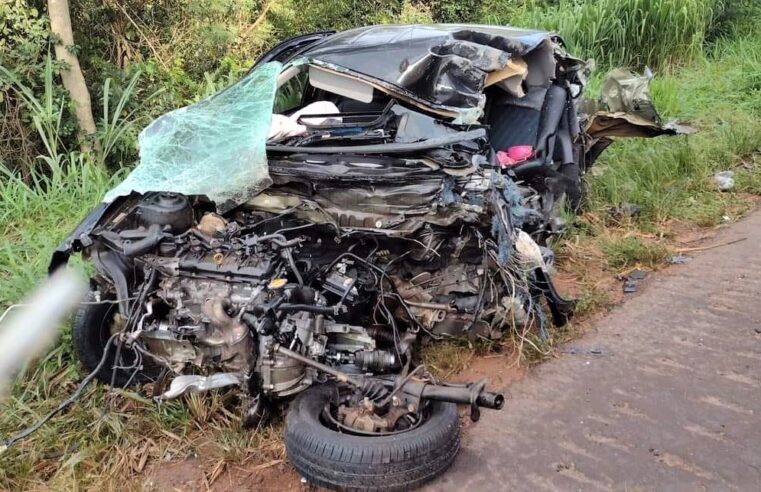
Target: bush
x,y
24,44
188,48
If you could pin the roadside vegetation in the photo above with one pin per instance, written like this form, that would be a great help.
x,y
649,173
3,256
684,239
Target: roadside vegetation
x,y
647,200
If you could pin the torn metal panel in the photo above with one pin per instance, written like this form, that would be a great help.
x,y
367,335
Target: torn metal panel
x,y
606,124
462,115
510,78
626,92
442,66
215,147
416,127
626,109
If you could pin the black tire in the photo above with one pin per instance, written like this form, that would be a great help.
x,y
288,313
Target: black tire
x,y
90,332
348,462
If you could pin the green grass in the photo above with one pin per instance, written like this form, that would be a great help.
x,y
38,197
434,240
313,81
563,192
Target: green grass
x,y
445,358
590,301
626,252
36,216
670,178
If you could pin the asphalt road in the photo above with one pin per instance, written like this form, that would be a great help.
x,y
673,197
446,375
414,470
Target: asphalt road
x,y
664,393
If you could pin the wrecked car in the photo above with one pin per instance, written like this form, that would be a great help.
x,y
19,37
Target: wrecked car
x,y
302,232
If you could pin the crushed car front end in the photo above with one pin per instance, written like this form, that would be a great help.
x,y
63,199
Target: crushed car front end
x,y
403,191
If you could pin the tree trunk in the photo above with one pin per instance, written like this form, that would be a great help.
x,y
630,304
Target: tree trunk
x,y
73,80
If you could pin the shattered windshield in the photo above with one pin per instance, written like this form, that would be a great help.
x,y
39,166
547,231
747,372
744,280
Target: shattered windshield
x,y
215,147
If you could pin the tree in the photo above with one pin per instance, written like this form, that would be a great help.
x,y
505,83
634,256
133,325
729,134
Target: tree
x,y
73,80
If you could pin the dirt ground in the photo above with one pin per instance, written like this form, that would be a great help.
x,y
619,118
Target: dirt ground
x,y
188,475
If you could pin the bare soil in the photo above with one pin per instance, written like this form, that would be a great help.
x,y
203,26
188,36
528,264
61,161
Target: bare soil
x,y
192,475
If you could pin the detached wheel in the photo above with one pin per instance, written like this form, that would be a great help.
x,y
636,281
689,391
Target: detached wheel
x,y
329,456
92,327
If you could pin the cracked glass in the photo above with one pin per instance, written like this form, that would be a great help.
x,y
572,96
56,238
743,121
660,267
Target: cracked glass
x,y
215,147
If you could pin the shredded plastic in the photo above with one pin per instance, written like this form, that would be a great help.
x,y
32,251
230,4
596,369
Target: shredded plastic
x,y
215,147
518,213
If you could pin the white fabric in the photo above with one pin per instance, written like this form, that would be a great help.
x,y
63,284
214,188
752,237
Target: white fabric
x,y
287,126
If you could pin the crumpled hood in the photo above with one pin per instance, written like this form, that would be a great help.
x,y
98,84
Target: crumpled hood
x,y
445,66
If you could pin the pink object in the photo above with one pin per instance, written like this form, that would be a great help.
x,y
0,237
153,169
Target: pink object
x,y
504,159
514,155
520,152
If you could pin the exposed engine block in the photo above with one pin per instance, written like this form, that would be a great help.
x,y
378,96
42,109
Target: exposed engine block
x,y
200,327
222,296
220,311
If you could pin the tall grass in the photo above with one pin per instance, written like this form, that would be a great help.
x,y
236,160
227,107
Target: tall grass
x,y
116,122
670,178
620,32
47,110
44,202
37,213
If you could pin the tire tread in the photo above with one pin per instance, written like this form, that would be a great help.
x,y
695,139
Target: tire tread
x,y
343,462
